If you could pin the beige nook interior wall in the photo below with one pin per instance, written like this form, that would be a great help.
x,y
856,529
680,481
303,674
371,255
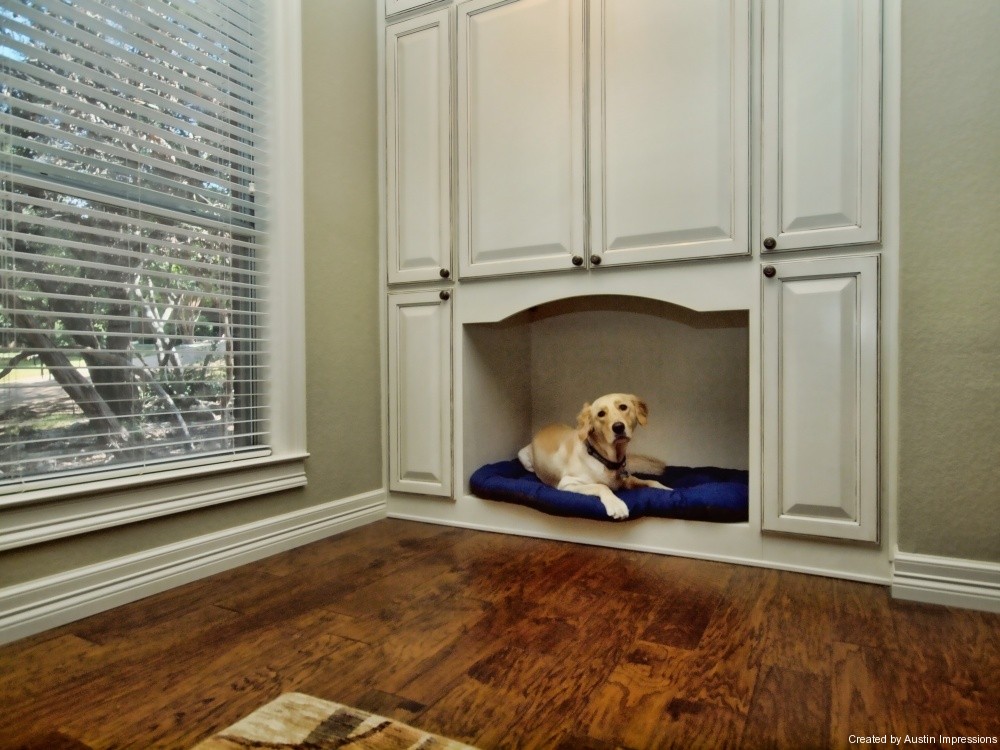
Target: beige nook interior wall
x,y
342,357
691,368
949,488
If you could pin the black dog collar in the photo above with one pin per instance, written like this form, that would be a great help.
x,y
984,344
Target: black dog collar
x,y
618,466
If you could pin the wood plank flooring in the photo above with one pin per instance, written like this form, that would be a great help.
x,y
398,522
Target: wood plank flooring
x,y
508,642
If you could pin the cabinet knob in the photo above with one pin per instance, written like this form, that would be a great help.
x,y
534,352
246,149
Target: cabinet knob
x,y
770,271
577,260
595,260
770,243
445,273
445,294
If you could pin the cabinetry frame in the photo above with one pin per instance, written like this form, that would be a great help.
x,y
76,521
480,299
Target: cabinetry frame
x,y
792,549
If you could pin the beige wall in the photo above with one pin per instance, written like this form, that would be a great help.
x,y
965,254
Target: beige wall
x,y
949,490
342,357
950,279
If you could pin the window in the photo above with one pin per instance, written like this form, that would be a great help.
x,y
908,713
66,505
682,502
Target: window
x,y
139,231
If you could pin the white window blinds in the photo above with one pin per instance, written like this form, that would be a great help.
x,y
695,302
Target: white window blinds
x,y
133,219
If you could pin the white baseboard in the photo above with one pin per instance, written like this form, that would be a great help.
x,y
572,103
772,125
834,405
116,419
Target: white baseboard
x,y
946,580
29,608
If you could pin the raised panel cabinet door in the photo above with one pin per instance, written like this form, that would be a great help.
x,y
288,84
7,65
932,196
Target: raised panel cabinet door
x,y
520,136
820,403
420,393
821,123
418,147
669,129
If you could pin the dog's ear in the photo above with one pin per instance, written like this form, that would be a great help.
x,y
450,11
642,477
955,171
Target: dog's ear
x,y
641,410
584,422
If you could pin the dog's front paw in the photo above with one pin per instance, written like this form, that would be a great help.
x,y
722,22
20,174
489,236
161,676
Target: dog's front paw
x,y
659,486
615,507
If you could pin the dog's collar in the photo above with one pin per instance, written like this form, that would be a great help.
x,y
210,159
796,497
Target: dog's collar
x,y
618,466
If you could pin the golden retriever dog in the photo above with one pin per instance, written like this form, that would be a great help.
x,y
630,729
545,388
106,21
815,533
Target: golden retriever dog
x,y
592,458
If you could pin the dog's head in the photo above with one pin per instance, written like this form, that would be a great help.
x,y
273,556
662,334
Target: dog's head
x,y
612,418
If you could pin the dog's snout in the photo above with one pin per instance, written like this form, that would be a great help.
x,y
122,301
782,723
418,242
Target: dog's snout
x,y
618,427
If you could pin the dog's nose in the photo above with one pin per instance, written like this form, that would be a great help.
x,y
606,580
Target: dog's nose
x,y
618,427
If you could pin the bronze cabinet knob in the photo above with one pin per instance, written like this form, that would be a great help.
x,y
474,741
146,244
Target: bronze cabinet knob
x,y
445,294
770,243
770,271
445,273
577,260
595,260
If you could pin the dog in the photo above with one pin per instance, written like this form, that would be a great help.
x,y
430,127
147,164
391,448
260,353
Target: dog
x,y
592,458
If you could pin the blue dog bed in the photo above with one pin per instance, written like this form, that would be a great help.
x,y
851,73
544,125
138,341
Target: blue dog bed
x,y
699,494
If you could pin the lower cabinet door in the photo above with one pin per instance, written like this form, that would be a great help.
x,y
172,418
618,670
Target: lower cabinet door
x,y
819,363
420,393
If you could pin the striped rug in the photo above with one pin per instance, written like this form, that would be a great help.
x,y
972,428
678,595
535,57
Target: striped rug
x,y
301,722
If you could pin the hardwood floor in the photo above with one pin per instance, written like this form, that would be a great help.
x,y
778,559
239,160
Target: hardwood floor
x,y
507,642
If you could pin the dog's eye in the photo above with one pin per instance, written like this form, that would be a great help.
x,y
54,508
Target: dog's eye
x,y
623,407
601,413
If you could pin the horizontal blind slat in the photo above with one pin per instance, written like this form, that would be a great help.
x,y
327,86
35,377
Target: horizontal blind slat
x,y
144,196
141,182
101,39
149,109
70,213
75,60
183,244
149,201
167,162
25,294
143,259
107,118
143,25
128,204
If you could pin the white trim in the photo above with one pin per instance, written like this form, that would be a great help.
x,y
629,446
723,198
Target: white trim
x,y
285,306
889,273
949,581
21,526
737,543
598,541
35,606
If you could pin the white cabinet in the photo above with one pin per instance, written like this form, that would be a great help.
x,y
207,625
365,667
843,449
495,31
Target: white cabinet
x,y
418,148
420,433
667,166
821,136
820,402
668,170
392,7
529,136
669,129
520,135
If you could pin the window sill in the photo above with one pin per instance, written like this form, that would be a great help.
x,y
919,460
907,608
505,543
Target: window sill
x,y
44,515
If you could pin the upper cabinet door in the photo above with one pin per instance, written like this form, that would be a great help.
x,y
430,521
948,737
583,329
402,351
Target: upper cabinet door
x,y
418,148
520,136
669,129
821,71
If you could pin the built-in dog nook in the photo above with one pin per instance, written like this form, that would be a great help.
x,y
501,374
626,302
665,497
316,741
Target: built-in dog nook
x,y
541,364
525,351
